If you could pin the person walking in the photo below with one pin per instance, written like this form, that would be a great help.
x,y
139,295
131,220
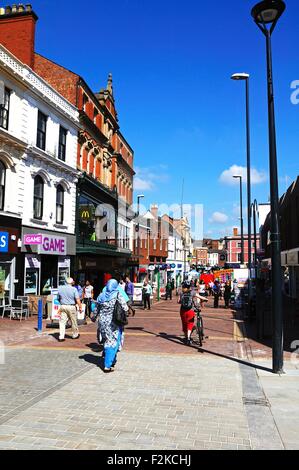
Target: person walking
x,y
202,289
186,311
112,334
216,293
168,290
79,287
147,292
88,297
227,294
129,290
68,298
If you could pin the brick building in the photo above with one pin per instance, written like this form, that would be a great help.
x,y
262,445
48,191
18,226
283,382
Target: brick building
x,y
200,256
233,247
153,245
104,157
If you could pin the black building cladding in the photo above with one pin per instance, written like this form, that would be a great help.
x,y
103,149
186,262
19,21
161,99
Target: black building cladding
x,y
289,221
97,212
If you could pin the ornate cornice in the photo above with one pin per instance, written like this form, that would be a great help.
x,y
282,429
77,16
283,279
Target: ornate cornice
x,y
37,84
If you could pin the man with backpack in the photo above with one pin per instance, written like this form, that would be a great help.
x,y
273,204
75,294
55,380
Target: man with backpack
x,y
188,301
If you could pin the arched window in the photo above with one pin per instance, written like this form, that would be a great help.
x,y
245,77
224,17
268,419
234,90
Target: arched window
x,y
2,185
38,199
59,204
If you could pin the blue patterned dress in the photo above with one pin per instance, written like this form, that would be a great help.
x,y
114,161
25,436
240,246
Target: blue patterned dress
x,y
112,334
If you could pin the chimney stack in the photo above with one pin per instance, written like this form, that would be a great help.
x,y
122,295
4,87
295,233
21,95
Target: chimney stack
x,y
236,232
154,211
17,31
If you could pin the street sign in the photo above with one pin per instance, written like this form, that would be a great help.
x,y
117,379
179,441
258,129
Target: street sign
x,y
4,241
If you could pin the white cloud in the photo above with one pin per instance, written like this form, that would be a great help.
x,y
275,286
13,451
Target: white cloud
x,y
143,185
257,177
146,178
218,218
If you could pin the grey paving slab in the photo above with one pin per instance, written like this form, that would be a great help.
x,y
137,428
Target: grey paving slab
x,y
173,403
282,392
150,402
29,375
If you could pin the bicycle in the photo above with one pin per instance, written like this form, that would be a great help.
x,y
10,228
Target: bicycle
x,y
197,335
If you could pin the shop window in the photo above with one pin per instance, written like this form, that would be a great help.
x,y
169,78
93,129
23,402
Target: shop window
x,y
2,185
41,130
97,222
62,144
59,204
4,110
38,199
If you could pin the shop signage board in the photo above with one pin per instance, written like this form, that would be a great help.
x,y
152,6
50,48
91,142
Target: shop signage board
x,y
4,241
47,244
52,246
55,305
137,297
33,239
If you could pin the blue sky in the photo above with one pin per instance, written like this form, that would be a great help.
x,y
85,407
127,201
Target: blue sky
x,y
171,63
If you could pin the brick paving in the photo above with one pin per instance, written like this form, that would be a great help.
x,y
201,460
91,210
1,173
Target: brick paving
x,y
163,395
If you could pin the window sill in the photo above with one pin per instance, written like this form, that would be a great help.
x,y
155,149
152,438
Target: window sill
x,y
61,226
39,222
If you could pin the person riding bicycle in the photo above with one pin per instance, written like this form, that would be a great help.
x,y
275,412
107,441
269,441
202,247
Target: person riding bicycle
x,y
188,301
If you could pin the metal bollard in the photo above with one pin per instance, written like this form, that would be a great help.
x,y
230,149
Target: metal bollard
x,y
40,316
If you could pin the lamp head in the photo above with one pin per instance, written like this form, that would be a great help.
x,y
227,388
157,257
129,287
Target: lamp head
x,y
240,76
268,12
237,176
140,196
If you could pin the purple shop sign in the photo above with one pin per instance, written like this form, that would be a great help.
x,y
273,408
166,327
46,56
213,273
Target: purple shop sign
x,y
53,246
33,239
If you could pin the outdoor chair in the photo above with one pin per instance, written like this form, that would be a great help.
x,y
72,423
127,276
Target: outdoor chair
x,y
17,309
6,305
25,300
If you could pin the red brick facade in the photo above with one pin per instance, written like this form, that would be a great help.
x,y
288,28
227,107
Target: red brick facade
x,y
17,32
63,80
103,153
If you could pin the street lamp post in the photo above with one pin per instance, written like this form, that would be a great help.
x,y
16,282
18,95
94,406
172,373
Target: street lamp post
x,y
254,212
138,228
241,218
266,15
245,76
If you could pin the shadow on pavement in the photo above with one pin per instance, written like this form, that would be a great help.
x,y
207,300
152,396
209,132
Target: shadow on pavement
x,y
95,360
95,347
180,341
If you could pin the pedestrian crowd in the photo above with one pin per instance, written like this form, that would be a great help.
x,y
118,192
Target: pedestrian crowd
x,y
115,304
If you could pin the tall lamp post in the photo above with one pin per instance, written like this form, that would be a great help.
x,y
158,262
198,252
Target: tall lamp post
x,y
138,228
266,15
241,218
254,213
245,77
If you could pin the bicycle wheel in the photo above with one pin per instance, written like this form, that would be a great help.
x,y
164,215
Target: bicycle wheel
x,y
200,331
194,335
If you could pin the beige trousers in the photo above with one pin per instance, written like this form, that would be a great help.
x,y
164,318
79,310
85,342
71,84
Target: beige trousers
x,y
68,312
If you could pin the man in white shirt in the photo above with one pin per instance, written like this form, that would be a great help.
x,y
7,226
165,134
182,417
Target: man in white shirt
x,y
88,296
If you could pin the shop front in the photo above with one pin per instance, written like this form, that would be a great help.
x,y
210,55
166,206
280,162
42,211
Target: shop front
x,y
47,260
10,230
99,256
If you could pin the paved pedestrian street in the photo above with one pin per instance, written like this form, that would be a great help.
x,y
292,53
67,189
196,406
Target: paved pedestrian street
x,y
162,395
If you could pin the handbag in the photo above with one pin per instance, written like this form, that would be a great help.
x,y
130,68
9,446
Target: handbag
x,y
119,314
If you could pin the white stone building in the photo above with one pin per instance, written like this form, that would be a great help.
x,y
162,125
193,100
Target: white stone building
x,y
175,258
38,166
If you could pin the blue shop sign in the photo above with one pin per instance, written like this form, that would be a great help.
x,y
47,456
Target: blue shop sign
x,y
4,241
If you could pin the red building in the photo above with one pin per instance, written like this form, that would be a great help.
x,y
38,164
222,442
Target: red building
x,y
153,243
105,190
233,247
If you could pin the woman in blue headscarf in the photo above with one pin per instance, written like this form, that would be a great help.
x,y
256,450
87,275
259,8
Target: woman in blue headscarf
x,y
111,333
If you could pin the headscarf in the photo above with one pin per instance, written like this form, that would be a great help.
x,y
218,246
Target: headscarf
x,y
109,292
